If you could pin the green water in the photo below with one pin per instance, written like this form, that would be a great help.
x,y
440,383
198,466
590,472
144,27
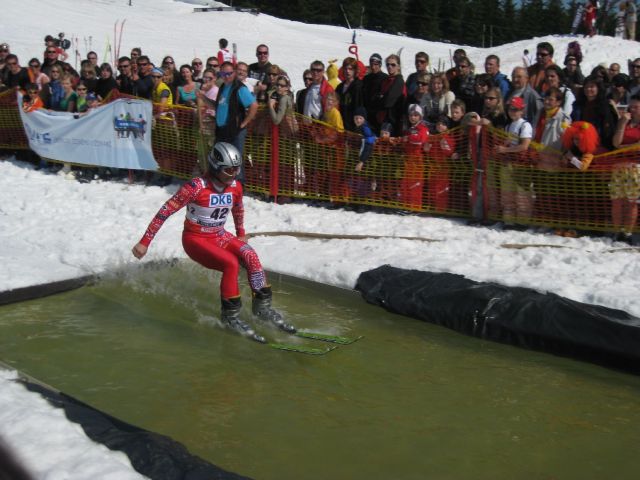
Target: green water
x,y
409,401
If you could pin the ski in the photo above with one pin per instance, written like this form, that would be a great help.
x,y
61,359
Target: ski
x,y
302,348
323,337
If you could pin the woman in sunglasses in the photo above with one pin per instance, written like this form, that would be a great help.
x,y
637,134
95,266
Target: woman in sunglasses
x,y
35,73
210,200
389,103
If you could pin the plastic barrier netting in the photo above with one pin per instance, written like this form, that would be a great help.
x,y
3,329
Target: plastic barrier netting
x,y
458,174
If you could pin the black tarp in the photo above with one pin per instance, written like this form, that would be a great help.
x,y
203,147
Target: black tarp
x,y
514,315
153,455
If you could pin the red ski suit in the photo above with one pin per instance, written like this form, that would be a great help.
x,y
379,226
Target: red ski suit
x,y
413,179
204,238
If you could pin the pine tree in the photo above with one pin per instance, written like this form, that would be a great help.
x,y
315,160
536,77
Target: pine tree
x,y
384,16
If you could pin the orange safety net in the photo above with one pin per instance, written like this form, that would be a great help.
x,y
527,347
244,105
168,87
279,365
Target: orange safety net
x,y
539,187
459,174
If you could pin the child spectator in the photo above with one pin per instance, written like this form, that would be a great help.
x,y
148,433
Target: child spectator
x,y
414,139
441,148
224,55
579,142
458,110
515,176
32,101
368,137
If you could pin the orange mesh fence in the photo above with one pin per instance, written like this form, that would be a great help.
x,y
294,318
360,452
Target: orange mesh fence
x,y
308,159
538,187
12,134
459,174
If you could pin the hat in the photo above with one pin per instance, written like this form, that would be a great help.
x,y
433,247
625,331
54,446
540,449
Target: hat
x,y
375,58
91,97
157,71
415,108
4,46
517,102
360,112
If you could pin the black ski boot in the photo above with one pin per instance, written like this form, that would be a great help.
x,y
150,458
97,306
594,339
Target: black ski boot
x,y
231,317
262,309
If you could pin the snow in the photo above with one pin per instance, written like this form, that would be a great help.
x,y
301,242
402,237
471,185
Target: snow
x,y
53,229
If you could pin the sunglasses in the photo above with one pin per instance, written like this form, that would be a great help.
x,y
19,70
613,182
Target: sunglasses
x,y
196,63
635,66
168,62
207,78
51,51
423,84
273,74
317,69
81,89
226,74
282,85
391,65
212,65
514,109
421,61
12,63
259,52
542,54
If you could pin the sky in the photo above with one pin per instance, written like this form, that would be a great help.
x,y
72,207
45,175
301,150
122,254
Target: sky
x,y
90,228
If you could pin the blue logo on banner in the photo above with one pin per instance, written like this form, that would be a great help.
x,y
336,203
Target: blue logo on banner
x,y
126,125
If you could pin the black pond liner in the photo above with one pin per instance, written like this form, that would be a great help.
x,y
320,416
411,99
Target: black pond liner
x,y
514,315
153,455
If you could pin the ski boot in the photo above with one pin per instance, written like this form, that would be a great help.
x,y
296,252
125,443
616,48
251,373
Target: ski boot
x,y
231,316
262,309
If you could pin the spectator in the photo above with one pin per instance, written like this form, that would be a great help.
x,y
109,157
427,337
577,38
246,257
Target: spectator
x,y
415,138
625,177
106,82
4,51
54,43
209,88
35,73
236,107
459,54
88,75
493,111
552,123
579,142
555,78
93,59
462,84
368,137
614,69
242,74
301,94
500,80
520,87
602,74
390,100
527,58
458,111
144,85
125,81
592,106
259,70
422,64
51,59
481,86
32,101
536,72
618,94
224,55
15,75
516,189
54,93
69,97
315,98
573,74
161,93
441,149
437,101
272,74
187,91
630,18
634,73
590,13
198,70
349,92
172,73
81,102
206,99
419,95
135,53
371,84
281,107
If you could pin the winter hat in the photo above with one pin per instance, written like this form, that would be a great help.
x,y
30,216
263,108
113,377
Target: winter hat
x,y
375,58
517,102
415,108
360,112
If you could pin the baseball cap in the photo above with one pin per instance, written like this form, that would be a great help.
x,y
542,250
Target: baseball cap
x,y
517,102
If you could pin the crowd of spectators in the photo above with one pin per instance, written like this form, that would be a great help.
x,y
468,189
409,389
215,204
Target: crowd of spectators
x,y
536,102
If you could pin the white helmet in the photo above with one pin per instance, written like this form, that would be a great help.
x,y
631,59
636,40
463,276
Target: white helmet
x,y
224,155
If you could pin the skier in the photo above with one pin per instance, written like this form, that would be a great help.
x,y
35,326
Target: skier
x,y
209,200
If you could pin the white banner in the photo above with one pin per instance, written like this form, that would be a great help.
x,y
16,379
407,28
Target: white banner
x,y
117,134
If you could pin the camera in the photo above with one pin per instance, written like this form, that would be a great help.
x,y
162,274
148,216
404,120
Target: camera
x,y
61,42
275,96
